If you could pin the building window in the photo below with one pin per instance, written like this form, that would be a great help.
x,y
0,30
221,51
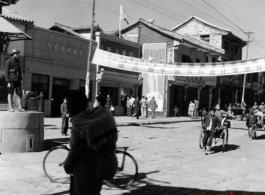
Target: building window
x,y
198,60
205,38
40,83
82,87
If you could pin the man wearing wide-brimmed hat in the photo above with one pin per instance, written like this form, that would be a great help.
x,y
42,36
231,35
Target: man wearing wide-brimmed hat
x,y
13,77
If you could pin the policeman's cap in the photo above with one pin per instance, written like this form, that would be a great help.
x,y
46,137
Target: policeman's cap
x,y
14,51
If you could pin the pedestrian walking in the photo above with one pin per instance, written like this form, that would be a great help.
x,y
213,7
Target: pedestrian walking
x,y
147,106
93,140
128,106
65,117
211,124
196,106
108,102
143,106
244,108
123,104
13,76
41,101
132,104
136,108
191,109
25,98
153,106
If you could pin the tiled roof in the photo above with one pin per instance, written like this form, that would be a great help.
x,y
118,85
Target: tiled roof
x,y
206,24
111,32
67,29
198,19
86,27
11,16
175,36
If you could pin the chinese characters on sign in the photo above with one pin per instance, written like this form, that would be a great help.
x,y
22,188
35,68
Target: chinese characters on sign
x,y
64,49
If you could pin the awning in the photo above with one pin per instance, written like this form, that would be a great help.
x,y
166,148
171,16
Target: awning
x,y
10,32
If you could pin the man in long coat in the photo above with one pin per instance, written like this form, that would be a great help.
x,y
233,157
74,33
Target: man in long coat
x,y
153,106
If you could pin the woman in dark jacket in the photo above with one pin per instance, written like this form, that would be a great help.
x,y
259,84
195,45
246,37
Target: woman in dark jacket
x,y
93,143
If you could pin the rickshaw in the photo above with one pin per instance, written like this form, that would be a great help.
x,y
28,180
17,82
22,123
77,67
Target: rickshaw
x,y
253,128
222,133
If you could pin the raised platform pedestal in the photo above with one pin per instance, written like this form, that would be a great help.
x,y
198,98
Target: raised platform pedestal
x,y
21,132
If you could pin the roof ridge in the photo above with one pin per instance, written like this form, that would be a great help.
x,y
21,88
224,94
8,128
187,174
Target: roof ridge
x,y
197,18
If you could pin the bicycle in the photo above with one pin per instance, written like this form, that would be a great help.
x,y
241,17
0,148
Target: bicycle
x,y
125,176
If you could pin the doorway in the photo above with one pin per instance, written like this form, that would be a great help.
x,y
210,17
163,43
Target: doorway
x,y
176,99
60,88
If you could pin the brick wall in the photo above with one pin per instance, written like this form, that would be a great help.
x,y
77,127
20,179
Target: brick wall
x,y
196,29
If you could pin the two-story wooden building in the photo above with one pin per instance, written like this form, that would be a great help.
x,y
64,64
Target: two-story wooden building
x,y
229,88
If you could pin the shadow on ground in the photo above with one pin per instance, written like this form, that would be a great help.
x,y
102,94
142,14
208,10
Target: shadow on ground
x,y
144,185
219,148
260,137
170,190
160,127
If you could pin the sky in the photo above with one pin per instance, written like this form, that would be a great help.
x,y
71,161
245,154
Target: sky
x,y
238,16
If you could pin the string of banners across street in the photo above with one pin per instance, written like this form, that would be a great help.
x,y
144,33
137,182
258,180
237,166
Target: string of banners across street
x,y
105,58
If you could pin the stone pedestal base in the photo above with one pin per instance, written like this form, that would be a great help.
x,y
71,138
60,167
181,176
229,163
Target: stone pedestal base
x,y
21,132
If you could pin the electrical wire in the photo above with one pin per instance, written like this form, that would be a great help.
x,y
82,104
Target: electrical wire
x,y
152,9
232,23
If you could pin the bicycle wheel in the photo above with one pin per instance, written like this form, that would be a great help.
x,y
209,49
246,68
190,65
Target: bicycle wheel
x,y
53,165
127,171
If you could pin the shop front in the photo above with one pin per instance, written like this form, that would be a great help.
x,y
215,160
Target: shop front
x,y
54,64
118,84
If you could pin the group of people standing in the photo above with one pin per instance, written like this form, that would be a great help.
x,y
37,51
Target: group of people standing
x,y
135,107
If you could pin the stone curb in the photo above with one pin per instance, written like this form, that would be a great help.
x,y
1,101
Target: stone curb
x,y
154,123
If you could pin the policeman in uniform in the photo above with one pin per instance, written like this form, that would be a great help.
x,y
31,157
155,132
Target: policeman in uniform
x,y
13,78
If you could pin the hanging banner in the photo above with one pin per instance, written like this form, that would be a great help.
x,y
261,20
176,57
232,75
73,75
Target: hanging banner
x,y
117,61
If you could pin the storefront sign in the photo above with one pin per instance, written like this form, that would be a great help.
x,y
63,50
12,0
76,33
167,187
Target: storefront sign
x,y
63,49
211,81
105,58
187,80
155,51
118,48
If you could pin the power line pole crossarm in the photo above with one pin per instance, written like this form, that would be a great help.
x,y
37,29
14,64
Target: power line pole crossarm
x,y
244,81
90,50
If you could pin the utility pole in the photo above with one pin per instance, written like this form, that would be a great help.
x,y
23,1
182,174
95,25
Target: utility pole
x,y
90,50
245,75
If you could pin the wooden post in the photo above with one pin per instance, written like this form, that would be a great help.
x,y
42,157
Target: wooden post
x,y
90,51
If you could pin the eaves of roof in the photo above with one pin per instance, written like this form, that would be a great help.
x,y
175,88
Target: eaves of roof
x,y
10,16
175,36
